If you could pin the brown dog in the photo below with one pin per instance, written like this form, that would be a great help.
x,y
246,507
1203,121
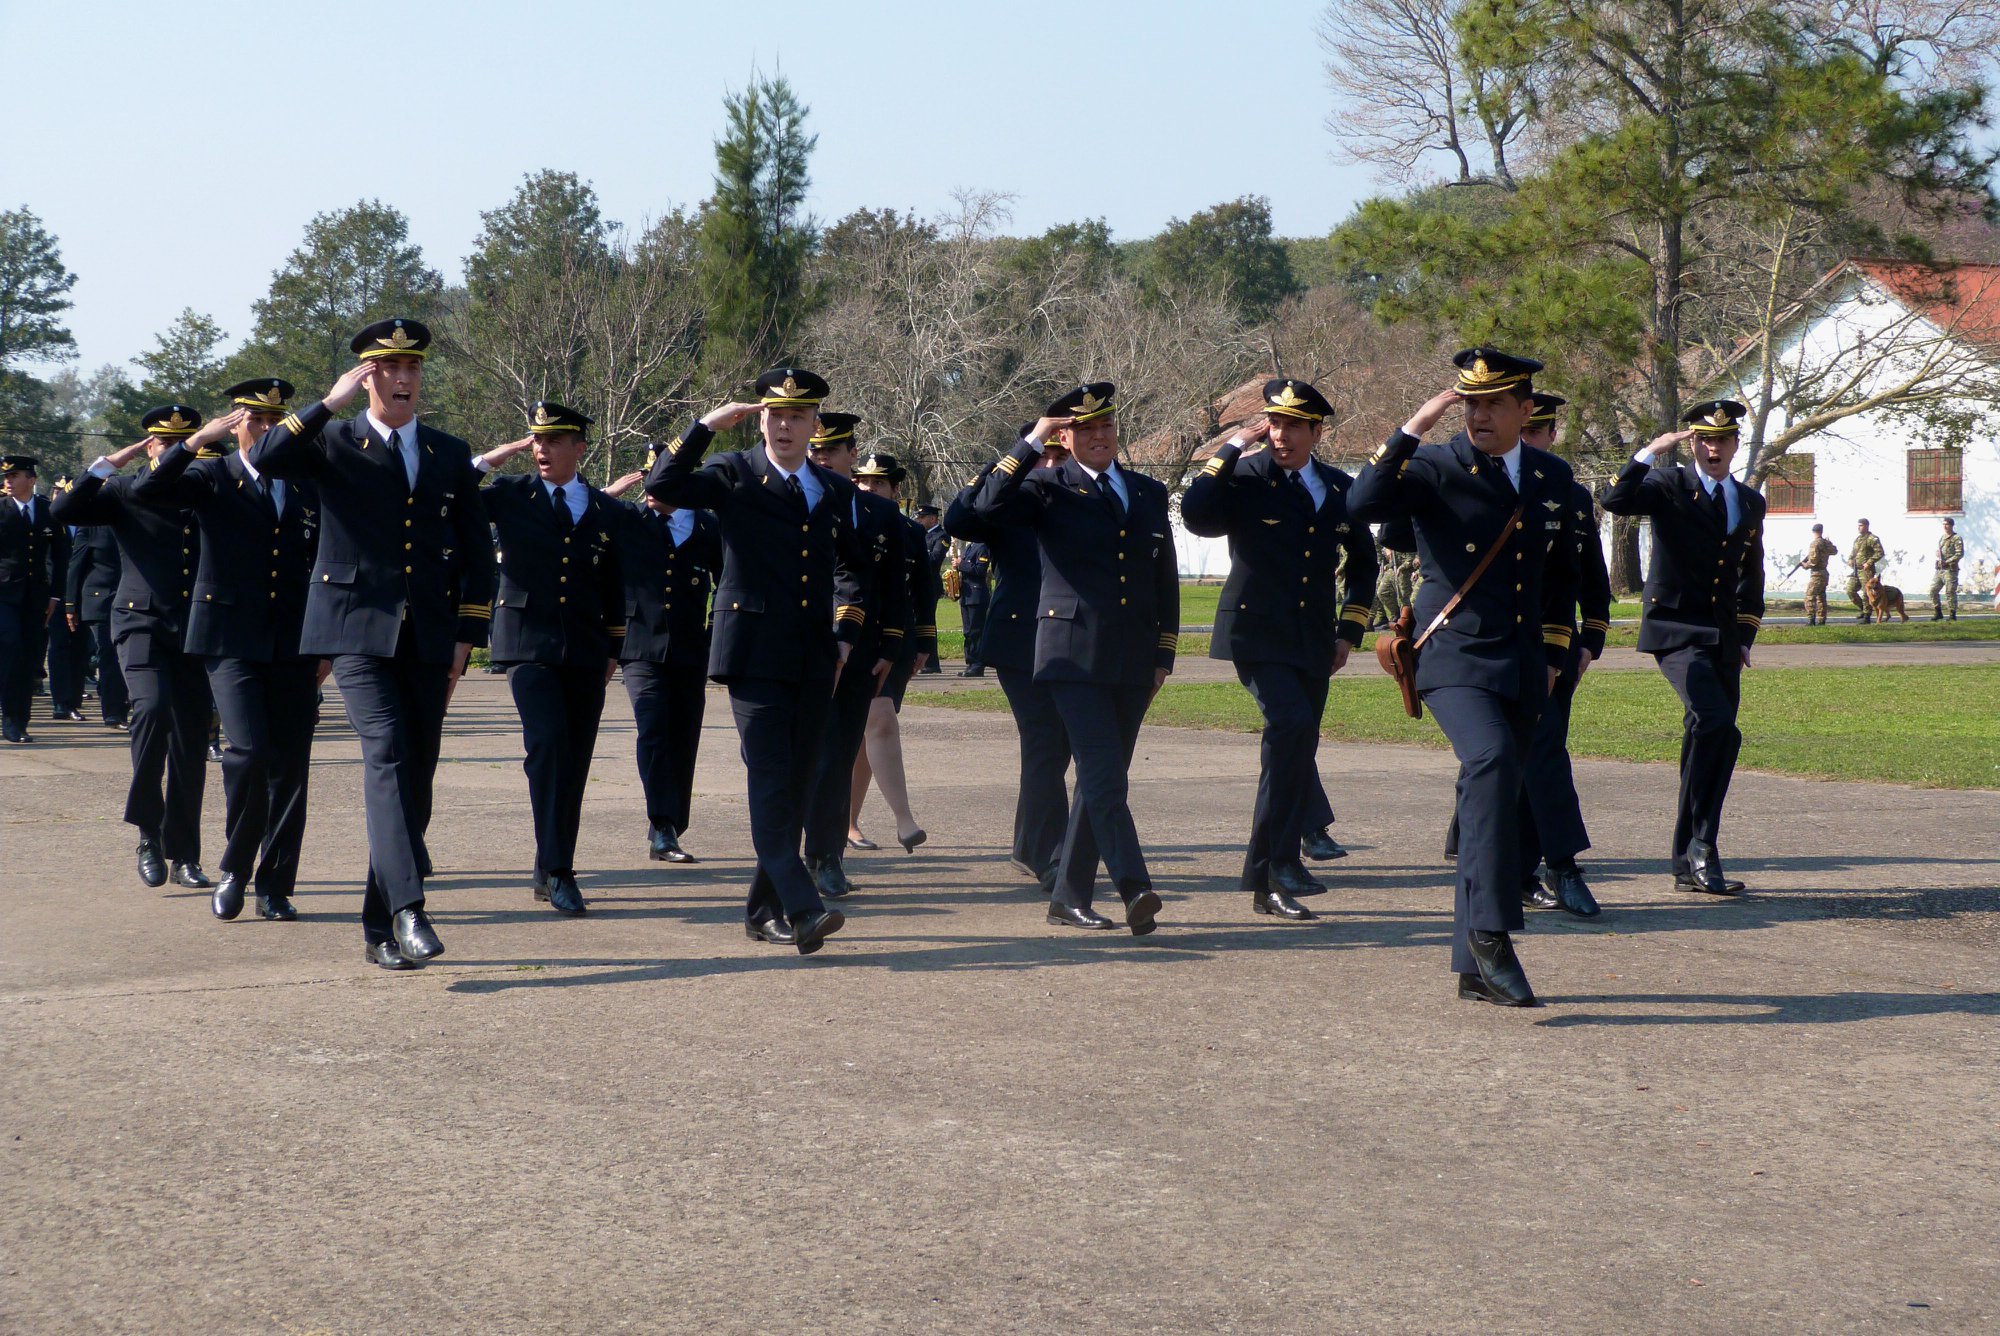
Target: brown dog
x,y
1884,599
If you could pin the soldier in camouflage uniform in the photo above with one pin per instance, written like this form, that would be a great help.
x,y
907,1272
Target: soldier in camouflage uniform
x,y
1863,561
1944,585
1818,553
1389,598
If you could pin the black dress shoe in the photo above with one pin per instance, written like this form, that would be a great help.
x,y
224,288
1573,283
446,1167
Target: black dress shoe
x,y
664,846
1319,845
861,842
214,753
972,672
1277,903
910,842
1070,916
1572,893
191,876
388,957
276,906
1534,895
1500,973
152,868
773,930
830,877
1022,866
1292,879
415,937
810,933
227,902
1704,872
564,896
1140,911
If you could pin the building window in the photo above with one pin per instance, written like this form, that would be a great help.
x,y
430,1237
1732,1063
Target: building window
x,y
1788,487
1936,481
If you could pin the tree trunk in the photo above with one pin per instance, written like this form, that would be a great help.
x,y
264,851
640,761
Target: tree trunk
x,y
1626,577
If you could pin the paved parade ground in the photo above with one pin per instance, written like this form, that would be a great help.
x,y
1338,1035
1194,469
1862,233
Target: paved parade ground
x,y
1776,1114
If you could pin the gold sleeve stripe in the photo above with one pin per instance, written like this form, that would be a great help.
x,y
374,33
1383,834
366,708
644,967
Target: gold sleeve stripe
x,y
1170,642
926,630
1750,618
617,630
892,633
1009,465
1358,618
1592,624
1559,636
477,611
293,425
1213,467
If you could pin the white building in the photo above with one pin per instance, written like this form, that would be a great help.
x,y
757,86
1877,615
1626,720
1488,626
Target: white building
x,y
1871,329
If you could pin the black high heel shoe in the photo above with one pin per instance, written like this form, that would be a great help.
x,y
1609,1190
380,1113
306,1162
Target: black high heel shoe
x,y
911,842
861,842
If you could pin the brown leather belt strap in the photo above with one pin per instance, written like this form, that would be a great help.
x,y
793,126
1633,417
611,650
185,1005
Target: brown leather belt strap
x,y
1470,580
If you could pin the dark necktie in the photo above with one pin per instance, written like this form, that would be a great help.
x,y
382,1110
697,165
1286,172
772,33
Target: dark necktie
x,y
560,500
798,490
1111,495
1299,482
264,490
1717,506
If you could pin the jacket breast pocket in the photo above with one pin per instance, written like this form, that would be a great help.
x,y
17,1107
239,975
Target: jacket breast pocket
x,y
336,573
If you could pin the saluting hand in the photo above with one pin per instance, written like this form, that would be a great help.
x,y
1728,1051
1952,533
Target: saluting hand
x,y
1047,427
118,459
1253,434
1427,417
215,429
1660,445
727,416
620,486
500,454
350,382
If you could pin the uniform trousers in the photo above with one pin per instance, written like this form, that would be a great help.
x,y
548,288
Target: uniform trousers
x,y
974,616
1102,724
1709,681
828,805
560,706
782,727
170,707
269,712
1944,592
19,632
1292,701
1490,734
113,699
668,701
1551,814
69,655
1041,809
395,704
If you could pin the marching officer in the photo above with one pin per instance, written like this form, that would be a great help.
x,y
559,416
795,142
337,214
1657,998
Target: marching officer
x,y
882,595
401,592
558,626
1492,522
1818,552
158,547
786,619
259,538
1704,602
1289,615
1041,804
69,646
94,572
34,556
1108,622
881,758
670,559
937,546
1944,585
975,594
1552,827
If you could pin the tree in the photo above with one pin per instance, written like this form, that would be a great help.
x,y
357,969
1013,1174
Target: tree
x,y
34,292
1227,249
184,366
754,237
356,266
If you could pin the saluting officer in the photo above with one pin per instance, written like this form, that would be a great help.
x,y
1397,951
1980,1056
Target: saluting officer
x,y
158,547
259,538
69,645
558,627
1041,804
670,558
882,594
94,572
785,623
975,595
937,547
34,556
1108,623
1289,615
1704,602
1552,827
1491,519
401,592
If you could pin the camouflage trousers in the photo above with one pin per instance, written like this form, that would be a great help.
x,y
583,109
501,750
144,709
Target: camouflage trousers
x,y
1816,594
1855,594
1944,592
1388,597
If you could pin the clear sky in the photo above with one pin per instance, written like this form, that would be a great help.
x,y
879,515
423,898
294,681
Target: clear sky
x,y
178,149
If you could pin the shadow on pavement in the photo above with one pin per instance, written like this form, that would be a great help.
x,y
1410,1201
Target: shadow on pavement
x,y
1755,1009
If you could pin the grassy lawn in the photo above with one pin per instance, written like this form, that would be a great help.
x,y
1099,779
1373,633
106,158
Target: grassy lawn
x,y
1936,727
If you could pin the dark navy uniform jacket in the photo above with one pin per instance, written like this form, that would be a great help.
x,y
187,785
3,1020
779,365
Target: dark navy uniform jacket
x,y
667,588
1109,607
882,581
158,549
94,570
975,575
1515,624
560,597
1285,600
1011,619
387,551
783,568
1593,579
924,590
1703,586
249,598
34,554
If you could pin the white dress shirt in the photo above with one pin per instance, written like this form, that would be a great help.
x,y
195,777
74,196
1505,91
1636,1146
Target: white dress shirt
x,y
1110,475
403,440
680,524
1512,461
277,487
1730,502
807,479
572,496
1310,477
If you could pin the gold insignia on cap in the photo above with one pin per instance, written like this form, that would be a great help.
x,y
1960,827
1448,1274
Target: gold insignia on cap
x,y
1720,418
175,422
1291,398
398,339
543,417
1479,367
790,386
1089,404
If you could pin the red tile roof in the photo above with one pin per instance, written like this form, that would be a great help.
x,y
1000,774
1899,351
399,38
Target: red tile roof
x,y
1963,299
